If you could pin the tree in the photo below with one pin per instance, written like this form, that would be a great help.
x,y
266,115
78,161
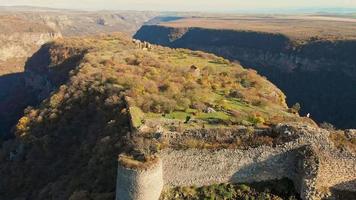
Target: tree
x,y
187,119
327,126
22,125
296,108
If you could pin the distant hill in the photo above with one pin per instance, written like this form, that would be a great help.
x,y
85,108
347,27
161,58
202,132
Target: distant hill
x,y
74,22
295,27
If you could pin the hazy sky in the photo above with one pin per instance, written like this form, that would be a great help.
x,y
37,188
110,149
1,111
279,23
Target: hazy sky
x,y
181,5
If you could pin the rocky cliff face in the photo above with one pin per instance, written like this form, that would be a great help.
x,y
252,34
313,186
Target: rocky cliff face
x,y
19,39
79,23
18,45
28,88
319,74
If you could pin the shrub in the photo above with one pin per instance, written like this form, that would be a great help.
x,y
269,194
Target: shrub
x,y
199,106
342,142
163,87
295,108
183,103
223,192
246,83
23,125
235,94
259,103
327,126
220,60
256,119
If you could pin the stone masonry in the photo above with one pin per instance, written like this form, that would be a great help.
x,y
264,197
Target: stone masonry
x,y
310,161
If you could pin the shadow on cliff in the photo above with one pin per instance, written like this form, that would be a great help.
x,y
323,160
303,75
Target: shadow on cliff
x,y
54,62
14,98
200,38
345,190
42,76
15,95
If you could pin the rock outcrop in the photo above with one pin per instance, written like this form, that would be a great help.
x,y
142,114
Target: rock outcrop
x,y
18,45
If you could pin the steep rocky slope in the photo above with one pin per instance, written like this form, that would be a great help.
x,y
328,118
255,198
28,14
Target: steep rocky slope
x,y
66,148
19,39
319,73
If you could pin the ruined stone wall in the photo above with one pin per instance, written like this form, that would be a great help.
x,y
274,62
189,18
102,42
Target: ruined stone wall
x,y
306,168
201,167
337,171
298,160
204,167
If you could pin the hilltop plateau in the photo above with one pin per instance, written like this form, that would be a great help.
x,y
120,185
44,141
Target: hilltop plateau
x,y
299,28
110,95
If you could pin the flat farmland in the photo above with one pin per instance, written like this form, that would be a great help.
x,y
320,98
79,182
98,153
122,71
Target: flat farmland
x,y
298,27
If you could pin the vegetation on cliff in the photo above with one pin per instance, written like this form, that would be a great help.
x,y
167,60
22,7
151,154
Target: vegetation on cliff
x,y
66,148
19,39
272,190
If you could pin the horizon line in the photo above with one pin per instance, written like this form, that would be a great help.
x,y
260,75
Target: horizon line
x,y
308,9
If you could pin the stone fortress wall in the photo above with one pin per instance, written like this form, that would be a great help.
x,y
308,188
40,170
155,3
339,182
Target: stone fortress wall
x,y
335,171
140,184
297,160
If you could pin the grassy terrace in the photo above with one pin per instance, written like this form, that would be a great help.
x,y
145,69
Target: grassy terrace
x,y
195,89
230,111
